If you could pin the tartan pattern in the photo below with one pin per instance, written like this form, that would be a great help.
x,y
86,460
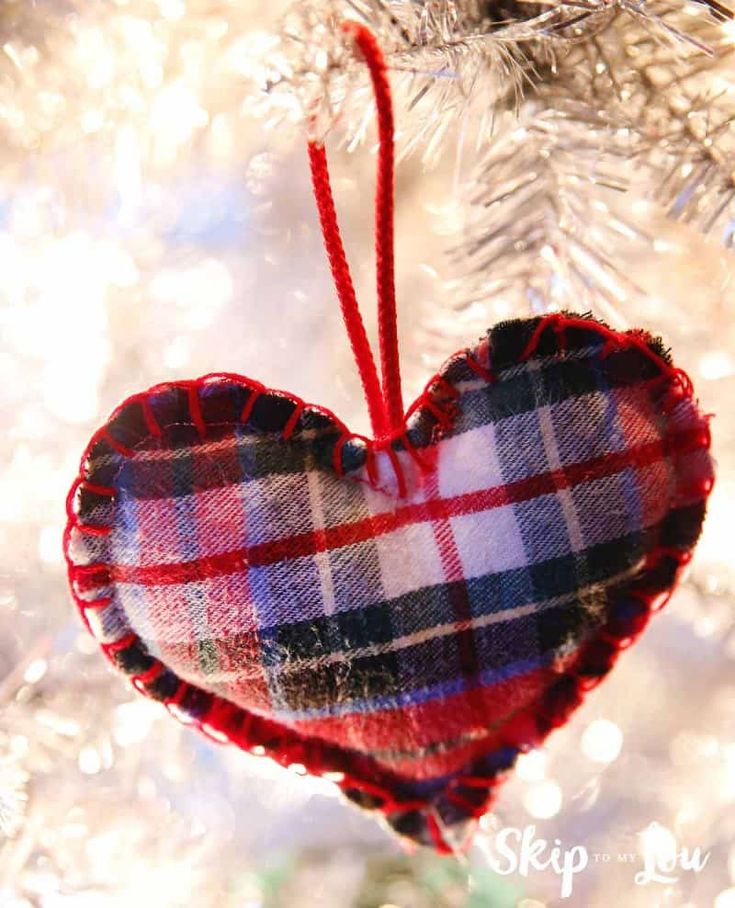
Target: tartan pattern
x,y
403,633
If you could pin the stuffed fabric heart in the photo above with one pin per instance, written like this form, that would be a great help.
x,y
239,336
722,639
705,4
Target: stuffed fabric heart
x,y
409,614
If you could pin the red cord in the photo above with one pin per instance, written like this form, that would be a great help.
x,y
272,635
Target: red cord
x,y
386,405
345,289
384,239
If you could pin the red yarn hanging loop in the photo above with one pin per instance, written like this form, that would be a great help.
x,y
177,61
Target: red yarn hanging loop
x,y
345,289
384,224
385,401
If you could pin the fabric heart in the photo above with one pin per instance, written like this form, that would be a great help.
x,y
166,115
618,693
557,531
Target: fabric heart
x,y
408,614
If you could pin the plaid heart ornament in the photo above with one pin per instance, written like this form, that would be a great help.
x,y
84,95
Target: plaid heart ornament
x,y
404,613
409,615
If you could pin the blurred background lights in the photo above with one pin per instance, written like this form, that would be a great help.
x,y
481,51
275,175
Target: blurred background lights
x,y
177,353
172,9
658,841
531,766
199,291
725,899
13,795
728,753
543,800
602,741
90,760
133,721
689,747
716,364
49,544
175,115
260,172
35,671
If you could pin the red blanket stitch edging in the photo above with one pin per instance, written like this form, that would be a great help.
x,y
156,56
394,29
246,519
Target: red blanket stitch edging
x,y
225,722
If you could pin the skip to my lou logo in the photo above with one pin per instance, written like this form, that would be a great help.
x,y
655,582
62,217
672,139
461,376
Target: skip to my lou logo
x,y
521,851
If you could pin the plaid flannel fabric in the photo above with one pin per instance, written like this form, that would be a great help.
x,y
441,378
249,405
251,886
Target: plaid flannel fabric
x,y
393,608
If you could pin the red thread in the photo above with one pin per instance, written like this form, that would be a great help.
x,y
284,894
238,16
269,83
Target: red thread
x,y
218,711
366,787
122,643
207,732
436,834
250,403
443,417
147,676
388,804
385,402
417,458
337,455
660,601
90,576
611,345
479,369
92,529
103,491
636,339
426,400
472,810
195,408
561,338
685,383
96,603
670,552
117,445
441,386
371,466
536,336
292,420
149,417
181,689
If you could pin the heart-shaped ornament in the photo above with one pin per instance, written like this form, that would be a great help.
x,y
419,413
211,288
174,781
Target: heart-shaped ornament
x,y
404,613
408,614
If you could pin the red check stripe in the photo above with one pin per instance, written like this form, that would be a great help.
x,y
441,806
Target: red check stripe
x,y
454,580
310,543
